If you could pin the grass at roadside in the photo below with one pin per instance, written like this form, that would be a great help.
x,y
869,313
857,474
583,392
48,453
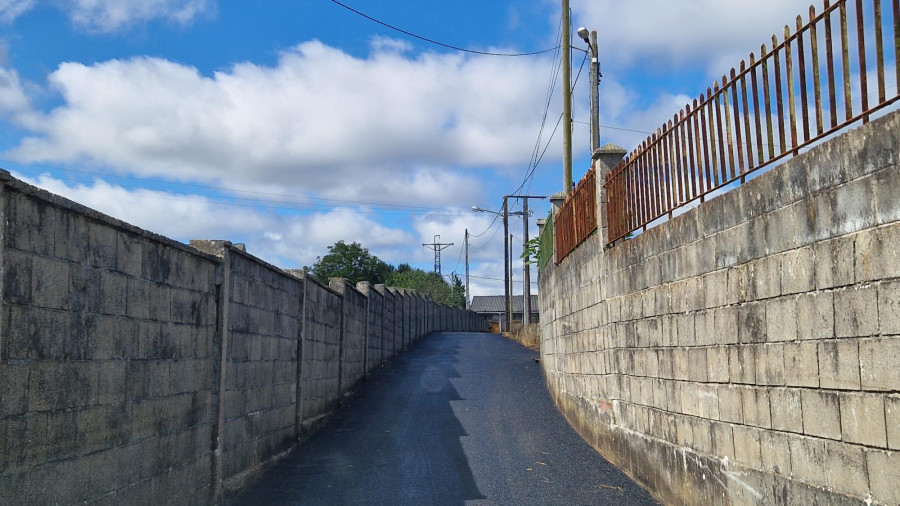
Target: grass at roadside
x,y
529,336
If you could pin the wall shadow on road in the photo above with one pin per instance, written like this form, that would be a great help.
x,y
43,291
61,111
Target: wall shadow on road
x,y
395,441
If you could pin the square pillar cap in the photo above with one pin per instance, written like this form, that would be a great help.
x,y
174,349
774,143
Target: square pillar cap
x,y
609,155
558,198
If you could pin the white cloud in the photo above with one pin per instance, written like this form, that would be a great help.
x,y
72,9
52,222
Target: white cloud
x,y
426,186
669,34
320,119
13,100
381,43
11,9
633,124
111,15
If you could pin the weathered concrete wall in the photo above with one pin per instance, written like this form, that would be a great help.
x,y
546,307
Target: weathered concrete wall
x,y
746,351
353,343
320,357
407,318
259,380
387,323
374,326
398,319
135,369
107,361
420,314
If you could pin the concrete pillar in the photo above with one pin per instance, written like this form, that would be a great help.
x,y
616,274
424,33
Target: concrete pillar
x,y
604,160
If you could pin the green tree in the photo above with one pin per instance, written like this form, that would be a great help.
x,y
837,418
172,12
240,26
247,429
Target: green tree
x,y
430,284
352,262
457,292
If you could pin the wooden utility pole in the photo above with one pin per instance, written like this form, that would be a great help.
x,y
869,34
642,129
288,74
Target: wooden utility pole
x,y
510,284
567,99
508,318
595,94
467,268
526,291
526,276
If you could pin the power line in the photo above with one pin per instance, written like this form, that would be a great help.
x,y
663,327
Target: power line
x,y
534,167
458,260
554,77
486,242
432,41
494,279
496,217
615,128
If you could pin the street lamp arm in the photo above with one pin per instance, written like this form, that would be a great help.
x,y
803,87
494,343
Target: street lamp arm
x,y
480,210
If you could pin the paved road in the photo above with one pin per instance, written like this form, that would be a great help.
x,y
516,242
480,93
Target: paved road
x,y
457,419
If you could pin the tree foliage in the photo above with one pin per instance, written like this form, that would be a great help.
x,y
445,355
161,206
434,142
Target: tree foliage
x,y
355,263
352,262
430,284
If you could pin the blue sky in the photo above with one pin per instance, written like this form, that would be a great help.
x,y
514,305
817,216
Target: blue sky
x,y
291,125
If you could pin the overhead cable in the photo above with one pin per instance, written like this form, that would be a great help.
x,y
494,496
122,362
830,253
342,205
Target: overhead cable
x,y
432,41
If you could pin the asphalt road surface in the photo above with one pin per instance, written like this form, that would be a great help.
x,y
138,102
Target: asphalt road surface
x,y
460,418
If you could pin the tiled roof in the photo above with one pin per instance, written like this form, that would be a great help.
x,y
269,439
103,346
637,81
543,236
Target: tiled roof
x,y
495,303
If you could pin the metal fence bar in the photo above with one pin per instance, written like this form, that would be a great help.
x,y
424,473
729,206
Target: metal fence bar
x,y
577,218
861,44
896,5
845,60
879,49
710,143
817,81
829,55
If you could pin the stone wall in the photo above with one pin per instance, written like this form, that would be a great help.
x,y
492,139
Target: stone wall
x,y
746,351
136,369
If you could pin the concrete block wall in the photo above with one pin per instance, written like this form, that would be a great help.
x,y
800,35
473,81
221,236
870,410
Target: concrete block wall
x,y
320,366
398,319
746,351
408,315
107,358
353,341
137,370
259,378
374,326
388,335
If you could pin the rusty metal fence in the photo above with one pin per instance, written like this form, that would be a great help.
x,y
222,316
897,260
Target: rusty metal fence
x,y
577,218
767,109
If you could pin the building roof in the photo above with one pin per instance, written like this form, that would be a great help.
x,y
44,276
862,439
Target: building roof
x,y
495,303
